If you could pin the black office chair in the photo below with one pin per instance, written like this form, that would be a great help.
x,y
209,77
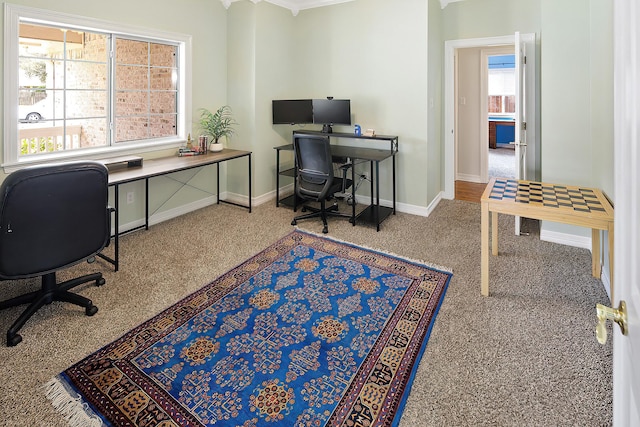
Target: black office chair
x,y
52,217
315,180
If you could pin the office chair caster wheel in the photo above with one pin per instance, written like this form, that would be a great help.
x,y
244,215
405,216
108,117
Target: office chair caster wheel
x,y
91,310
100,281
294,222
13,340
304,209
325,230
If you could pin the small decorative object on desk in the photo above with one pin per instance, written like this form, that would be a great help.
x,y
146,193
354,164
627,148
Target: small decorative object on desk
x,y
370,132
202,143
183,152
216,125
189,144
358,130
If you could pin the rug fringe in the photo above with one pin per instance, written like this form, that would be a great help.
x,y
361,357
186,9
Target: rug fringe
x,y
70,405
416,261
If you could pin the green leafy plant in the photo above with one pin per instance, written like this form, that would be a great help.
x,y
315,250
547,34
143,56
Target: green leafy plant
x,y
218,124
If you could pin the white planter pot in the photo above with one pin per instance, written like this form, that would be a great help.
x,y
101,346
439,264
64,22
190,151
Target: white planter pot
x,y
215,147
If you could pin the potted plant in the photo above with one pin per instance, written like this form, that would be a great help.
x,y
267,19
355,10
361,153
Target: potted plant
x,y
216,125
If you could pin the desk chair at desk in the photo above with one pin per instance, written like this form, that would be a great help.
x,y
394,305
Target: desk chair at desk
x,y
374,213
315,180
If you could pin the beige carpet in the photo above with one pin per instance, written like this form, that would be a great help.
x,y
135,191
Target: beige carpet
x,y
502,162
525,356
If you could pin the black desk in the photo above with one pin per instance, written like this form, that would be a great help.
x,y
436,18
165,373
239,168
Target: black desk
x,y
163,166
372,214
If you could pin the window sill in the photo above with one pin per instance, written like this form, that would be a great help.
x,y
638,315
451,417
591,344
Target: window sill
x,y
95,154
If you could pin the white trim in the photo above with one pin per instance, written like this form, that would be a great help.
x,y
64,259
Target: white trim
x,y
266,198
445,3
469,178
566,239
450,47
296,6
626,174
13,14
577,242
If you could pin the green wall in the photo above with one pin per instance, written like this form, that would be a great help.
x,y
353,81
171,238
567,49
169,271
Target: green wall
x,y
577,97
387,58
348,51
206,22
435,118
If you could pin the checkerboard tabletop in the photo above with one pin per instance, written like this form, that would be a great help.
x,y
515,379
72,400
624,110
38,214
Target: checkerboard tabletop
x,y
549,195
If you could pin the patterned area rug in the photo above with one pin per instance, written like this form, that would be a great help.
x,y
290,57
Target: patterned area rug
x,y
309,332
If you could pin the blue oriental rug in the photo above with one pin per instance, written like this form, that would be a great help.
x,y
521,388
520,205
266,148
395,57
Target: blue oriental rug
x,y
309,332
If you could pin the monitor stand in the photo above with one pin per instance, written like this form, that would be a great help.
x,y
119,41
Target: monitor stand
x,y
326,128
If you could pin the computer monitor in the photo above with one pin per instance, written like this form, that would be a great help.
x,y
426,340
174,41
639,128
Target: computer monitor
x,y
292,111
331,111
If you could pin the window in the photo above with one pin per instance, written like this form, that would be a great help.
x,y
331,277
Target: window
x,y
85,88
502,86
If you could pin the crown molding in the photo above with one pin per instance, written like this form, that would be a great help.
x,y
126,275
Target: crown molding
x,y
295,6
444,3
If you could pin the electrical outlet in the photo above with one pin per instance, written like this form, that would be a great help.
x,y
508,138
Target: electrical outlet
x,y
130,197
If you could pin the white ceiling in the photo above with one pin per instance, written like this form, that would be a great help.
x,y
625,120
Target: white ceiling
x,y
294,6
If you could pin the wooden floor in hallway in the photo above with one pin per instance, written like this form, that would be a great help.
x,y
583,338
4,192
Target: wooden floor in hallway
x,y
469,191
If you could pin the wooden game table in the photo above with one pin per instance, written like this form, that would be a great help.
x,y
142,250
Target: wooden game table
x,y
585,207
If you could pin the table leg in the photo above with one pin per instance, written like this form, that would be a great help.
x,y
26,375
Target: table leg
x,y
484,250
116,247
611,269
146,204
377,178
249,182
595,253
218,183
277,177
494,233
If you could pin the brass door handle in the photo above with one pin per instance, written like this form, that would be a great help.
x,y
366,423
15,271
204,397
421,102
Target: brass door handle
x,y
618,315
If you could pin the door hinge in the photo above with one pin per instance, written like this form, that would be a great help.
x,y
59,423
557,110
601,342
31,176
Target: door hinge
x,y
524,125
524,60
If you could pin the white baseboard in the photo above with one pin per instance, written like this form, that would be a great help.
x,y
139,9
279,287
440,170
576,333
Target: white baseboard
x,y
172,213
468,178
566,239
578,242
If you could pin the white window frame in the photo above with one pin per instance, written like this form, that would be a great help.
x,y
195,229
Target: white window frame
x,y
12,16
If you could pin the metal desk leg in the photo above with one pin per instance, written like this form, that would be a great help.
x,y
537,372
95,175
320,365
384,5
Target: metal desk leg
x,y
377,196
116,234
393,169
277,176
250,183
353,192
146,204
116,248
217,183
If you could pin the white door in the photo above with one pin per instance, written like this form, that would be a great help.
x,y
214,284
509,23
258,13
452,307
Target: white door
x,y
626,350
520,133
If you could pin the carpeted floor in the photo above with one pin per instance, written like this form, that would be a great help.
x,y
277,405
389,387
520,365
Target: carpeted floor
x,y
525,356
502,162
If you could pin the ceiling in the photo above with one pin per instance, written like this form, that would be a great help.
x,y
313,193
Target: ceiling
x,y
294,6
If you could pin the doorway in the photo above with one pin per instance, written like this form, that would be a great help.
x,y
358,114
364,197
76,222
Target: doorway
x,y
498,82
475,155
